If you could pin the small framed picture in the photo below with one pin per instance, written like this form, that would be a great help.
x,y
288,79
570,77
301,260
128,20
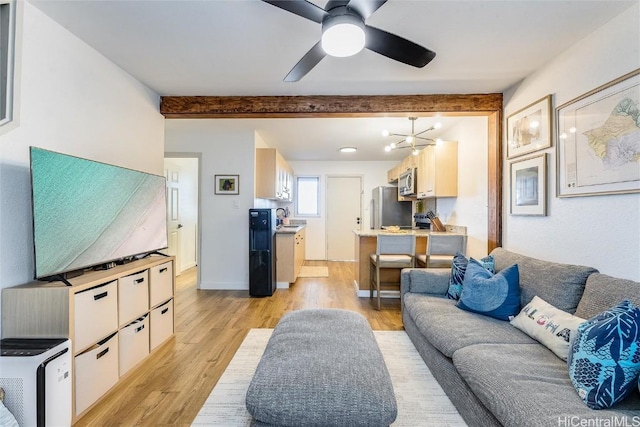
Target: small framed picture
x,y
226,184
529,129
529,186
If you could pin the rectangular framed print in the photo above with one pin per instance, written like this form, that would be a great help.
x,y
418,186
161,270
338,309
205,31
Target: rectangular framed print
x,y
529,129
598,148
227,184
529,186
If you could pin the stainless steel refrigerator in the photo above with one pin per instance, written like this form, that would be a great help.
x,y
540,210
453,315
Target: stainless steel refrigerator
x,y
386,210
262,252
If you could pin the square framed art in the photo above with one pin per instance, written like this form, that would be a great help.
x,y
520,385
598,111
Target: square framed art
x,y
529,186
529,129
226,184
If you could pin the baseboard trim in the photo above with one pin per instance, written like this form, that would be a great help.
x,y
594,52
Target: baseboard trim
x,y
282,285
383,294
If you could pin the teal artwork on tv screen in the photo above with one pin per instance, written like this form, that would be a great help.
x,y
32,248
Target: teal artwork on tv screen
x,y
87,213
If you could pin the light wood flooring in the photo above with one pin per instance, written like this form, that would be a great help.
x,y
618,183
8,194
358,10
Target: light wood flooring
x,y
173,383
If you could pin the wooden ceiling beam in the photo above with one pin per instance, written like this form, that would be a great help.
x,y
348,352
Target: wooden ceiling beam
x,y
489,105
206,107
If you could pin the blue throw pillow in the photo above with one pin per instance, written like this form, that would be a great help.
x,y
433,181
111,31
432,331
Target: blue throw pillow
x,y
458,268
604,359
492,295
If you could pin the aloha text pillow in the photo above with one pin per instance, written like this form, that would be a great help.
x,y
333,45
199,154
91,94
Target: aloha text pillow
x,y
549,325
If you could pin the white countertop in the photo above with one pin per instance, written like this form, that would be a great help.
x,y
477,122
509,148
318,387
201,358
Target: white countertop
x,y
374,233
290,229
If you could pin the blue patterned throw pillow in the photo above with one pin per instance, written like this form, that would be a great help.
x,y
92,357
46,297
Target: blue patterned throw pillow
x,y
604,359
495,295
458,268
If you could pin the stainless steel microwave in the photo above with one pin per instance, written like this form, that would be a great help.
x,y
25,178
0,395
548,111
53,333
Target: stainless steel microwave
x,y
407,182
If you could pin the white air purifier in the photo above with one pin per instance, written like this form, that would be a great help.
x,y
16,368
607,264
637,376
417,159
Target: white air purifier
x,y
36,377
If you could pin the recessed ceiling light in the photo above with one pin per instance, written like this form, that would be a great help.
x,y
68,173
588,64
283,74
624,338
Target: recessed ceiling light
x,y
348,149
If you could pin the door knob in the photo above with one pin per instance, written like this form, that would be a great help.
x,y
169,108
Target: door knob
x,y
179,225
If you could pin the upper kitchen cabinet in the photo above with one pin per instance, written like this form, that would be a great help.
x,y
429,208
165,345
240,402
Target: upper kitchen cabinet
x,y
438,170
274,176
409,162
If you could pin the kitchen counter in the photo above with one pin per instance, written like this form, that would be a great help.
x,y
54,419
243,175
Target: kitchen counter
x,y
366,243
290,229
374,233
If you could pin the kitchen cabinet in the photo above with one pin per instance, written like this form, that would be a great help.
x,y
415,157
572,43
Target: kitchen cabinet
x,y
290,255
274,176
392,174
438,170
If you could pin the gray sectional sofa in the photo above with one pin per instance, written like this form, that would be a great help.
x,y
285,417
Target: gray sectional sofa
x,y
495,374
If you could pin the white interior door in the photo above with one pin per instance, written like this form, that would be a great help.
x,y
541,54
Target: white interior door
x,y
344,214
172,173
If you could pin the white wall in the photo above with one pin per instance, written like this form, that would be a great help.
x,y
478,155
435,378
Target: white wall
x,y
226,149
72,100
470,208
373,174
599,231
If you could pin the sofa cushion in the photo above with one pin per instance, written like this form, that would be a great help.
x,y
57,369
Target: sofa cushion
x,y
558,284
604,361
552,327
494,295
602,292
527,385
458,270
449,328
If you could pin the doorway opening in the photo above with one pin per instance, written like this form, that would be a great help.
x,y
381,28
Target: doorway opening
x,y
182,171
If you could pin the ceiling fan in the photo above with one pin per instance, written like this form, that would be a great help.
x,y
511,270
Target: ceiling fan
x,y
344,33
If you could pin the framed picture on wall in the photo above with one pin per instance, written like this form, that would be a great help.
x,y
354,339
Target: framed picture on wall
x,y
598,148
529,129
529,186
226,184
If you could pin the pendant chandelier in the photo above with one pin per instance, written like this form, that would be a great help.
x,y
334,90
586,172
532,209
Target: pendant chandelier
x,y
411,140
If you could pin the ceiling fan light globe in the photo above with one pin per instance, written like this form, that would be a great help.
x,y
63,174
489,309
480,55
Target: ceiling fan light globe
x,y
342,35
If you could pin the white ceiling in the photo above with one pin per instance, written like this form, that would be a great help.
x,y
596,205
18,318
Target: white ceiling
x,y
246,47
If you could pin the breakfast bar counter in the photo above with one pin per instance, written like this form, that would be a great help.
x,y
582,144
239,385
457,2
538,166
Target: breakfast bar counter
x,y
366,243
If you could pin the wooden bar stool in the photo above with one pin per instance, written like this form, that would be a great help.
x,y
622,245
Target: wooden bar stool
x,y
441,248
392,251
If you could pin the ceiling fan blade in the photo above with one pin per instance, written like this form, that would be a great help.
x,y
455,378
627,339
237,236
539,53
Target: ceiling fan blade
x,y
365,8
308,61
301,8
397,48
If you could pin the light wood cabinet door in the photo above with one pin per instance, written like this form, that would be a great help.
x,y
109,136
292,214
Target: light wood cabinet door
x,y
274,176
290,255
438,170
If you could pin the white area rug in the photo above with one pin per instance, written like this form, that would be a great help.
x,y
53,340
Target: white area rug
x,y
312,271
421,400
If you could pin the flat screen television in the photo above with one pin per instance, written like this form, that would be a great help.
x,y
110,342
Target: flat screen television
x,y
88,213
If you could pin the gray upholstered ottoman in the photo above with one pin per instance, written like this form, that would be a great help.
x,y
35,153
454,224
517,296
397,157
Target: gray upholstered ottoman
x,y
322,367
